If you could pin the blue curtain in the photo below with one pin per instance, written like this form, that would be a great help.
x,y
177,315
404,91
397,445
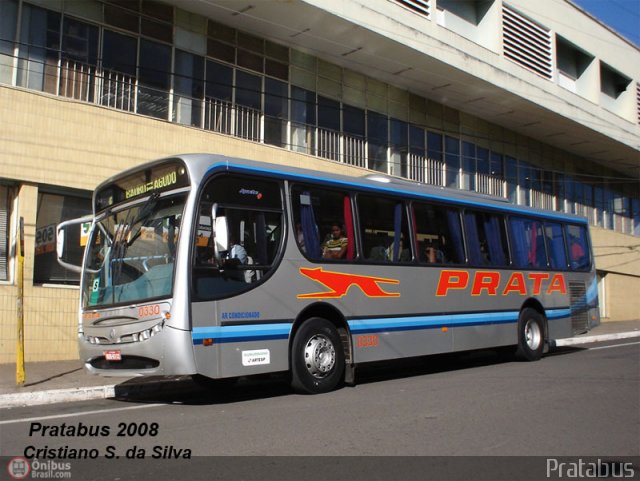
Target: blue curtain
x,y
453,221
518,231
494,240
473,242
310,229
397,226
558,256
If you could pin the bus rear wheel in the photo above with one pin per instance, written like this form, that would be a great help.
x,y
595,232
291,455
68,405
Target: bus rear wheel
x,y
317,357
530,335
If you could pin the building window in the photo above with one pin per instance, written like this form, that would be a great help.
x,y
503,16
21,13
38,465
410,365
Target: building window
x,y
39,49
79,60
399,147
276,105
303,118
119,70
8,22
452,161
154,79
378,133
53,209
435,157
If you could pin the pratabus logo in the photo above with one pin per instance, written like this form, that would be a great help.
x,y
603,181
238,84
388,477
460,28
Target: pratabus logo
x,y
339,283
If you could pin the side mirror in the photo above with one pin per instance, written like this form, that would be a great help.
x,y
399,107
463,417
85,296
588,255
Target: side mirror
x,y
71,238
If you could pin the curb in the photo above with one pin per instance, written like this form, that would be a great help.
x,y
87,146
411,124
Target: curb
x,y
575,341
51,396
165,385
173,383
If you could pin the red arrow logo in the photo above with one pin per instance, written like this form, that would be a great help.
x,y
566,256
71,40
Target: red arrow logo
x,y
339,283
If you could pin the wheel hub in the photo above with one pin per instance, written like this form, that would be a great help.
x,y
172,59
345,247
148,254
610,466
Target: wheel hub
x,y
319,356
532,335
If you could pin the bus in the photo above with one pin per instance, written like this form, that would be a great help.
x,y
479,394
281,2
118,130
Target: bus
x,y
221,268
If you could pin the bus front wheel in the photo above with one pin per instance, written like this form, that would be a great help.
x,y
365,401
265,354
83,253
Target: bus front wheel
x,y
317,357
530,335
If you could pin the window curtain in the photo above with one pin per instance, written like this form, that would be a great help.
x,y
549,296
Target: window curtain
x,y
494,241
348,220
558,256
473,244
453,221
533,246
518,231
397,231
310,229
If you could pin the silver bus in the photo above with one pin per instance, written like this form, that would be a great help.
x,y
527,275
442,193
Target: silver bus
x,y
218,267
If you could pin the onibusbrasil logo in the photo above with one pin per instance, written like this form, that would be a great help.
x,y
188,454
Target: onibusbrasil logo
x,y
18,468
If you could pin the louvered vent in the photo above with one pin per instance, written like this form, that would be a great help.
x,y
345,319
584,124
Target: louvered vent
x,y
4,237
579,314
418,6
527,43
638,100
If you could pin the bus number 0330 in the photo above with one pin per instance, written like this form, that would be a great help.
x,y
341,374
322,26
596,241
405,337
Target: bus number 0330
x,y
368,340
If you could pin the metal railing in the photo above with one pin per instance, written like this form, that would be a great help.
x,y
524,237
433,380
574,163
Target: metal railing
x,y
231,119
89,83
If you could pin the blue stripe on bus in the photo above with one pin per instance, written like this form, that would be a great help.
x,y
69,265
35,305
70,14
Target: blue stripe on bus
x,y
262,332
510,208
389,324
249,332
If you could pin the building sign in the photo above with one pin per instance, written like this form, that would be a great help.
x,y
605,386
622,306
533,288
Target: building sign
x,y
46,239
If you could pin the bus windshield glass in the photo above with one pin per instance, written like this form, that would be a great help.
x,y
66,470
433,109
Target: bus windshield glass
x,y
131,253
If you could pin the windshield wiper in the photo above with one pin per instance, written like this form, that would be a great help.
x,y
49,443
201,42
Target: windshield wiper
x,y
144,213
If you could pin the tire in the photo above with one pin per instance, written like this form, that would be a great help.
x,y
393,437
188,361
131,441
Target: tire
x,y
531,335
317,357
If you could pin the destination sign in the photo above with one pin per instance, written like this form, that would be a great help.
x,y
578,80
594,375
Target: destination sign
x,y
159,178
166,180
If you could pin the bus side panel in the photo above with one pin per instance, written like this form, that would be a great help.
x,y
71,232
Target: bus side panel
x,y
240,336
484,337
394,345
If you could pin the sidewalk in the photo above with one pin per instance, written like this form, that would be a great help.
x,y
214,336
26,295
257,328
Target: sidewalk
x,y
64,381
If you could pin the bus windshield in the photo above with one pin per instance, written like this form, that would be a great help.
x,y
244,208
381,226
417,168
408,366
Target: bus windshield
x,y
131,253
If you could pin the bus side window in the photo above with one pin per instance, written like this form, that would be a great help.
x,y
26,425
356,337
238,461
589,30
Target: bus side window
x,y
527,243
438,234
555,245
240,246
384,229
317,212
486,239
578,247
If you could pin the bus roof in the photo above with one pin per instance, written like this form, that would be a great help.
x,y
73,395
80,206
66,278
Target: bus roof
x,y
200,165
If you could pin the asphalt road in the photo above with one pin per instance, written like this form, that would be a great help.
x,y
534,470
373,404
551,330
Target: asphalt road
x,y
573,403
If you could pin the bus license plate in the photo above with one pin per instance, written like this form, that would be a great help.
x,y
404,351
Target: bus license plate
x,y
113,355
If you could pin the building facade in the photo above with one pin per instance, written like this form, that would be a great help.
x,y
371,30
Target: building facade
x,y
534,102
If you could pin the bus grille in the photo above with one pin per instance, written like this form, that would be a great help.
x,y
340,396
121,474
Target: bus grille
x,y
579,311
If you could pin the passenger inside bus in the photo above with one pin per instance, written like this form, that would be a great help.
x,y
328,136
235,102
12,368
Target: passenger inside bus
x,y
336,246
433,253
